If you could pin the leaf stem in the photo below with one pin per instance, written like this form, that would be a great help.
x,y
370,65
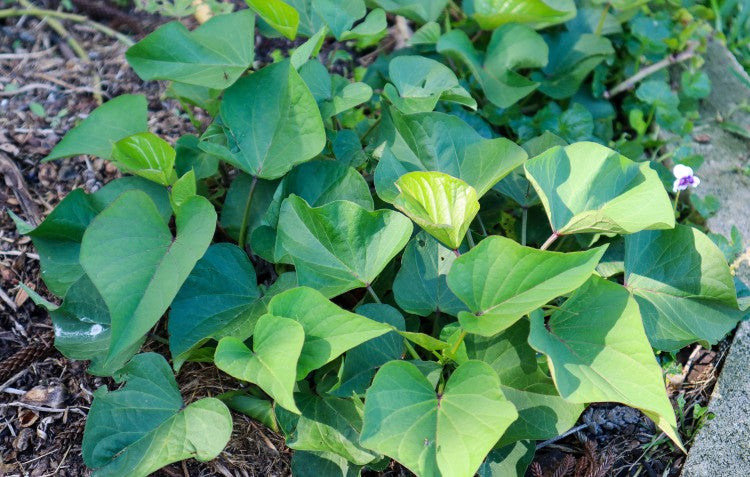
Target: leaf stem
x,y
469,238
676,201
371,128
411,350
456,253
246,216
481,225
549,241
373,294
454,349
602,19
524,221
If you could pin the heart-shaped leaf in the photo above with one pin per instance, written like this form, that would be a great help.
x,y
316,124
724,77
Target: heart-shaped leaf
x,y
333,181
58,239
137,265
118,118
339,16
441,204
146,155
418,10
340,246
219,298
235,202
443,143
329,329
490,14
683,287
542,413
332,425
501,281
214,55
272,122
589,188
420,286
511,47
612,361
362,361
419,82
277,344
282,18
436,434
144,426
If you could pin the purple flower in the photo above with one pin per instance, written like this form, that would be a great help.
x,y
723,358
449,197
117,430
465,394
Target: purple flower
x,y
684,178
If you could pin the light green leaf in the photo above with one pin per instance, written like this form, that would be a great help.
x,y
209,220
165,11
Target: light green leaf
x,y
142,427
419,82
443,143
427,34
340,246
683,286
542,413
344,96
589,188
118,118
329,329
612,360
58,239
219,298
214,55
431,434
490,14
137,265
278,14
333,181
309,48
511,47
184,188
418,10
272,122
146,155
439,203
277,344
420,286
362,361
501,281
339,16
262,410
330,424
368,32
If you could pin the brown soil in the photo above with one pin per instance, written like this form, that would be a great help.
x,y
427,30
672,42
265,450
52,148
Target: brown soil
x,y
37,66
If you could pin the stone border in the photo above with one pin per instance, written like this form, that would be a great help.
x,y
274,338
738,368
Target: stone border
x,y
722,447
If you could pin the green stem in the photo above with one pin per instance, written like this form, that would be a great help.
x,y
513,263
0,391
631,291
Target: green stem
x,y
549,241
602,19
373,294
454,349
246,216
411,350
524,221
469,238
481,225
371,128
676,201
436,323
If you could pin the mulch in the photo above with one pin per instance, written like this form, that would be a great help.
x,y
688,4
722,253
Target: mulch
x,y
44,397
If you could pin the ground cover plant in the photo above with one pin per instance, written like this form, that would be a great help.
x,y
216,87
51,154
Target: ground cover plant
x,y
438,259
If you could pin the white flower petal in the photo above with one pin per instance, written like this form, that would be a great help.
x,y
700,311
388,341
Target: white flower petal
x,y
696,181
676,185
680,171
